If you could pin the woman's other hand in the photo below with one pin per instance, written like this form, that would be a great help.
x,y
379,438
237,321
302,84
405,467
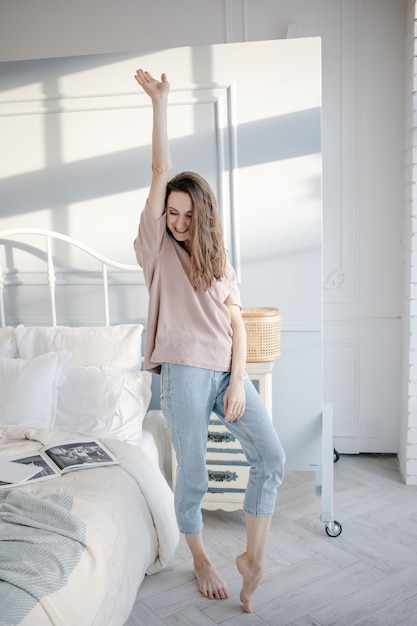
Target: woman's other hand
x,y
234,402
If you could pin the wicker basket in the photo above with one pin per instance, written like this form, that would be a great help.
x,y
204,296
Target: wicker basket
x,y
263,330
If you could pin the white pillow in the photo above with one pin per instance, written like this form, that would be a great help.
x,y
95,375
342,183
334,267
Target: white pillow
x,y
8,346
117,346
104,402
28,389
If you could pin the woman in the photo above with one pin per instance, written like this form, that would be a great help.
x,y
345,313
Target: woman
x,y
196,339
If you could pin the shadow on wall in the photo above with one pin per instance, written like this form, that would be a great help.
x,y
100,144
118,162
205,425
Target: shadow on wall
x,y
284,137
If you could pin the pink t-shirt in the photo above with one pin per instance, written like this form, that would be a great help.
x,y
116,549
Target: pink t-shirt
x,y
185,326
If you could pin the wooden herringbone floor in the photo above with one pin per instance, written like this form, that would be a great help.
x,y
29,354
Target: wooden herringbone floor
x,y
367,575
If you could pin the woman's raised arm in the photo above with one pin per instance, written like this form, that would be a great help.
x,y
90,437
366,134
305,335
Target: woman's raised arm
x,y
161,158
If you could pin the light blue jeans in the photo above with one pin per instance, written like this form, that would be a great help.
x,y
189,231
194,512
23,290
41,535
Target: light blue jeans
x,y
188,396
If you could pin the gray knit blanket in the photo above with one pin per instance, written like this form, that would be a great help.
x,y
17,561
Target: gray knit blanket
x,y
41,542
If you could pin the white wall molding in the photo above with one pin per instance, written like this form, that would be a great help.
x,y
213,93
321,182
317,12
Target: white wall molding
x,y
336,279
342,260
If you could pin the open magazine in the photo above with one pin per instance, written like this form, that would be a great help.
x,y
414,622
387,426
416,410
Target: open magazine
x,y
59,458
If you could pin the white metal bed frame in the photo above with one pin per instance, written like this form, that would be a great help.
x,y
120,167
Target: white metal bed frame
x,y
6,239
324,473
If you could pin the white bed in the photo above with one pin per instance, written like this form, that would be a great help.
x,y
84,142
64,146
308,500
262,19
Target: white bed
x,y
74,549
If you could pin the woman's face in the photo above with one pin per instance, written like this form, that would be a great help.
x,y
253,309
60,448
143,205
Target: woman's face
x,y
179,214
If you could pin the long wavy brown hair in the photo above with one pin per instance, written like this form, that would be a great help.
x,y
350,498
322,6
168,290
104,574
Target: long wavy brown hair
x,y
208,255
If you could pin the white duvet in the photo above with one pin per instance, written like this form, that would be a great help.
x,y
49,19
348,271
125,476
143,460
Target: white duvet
x,y
129,524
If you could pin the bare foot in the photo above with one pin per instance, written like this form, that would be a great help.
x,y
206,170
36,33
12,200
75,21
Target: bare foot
x,y
209,582
252,576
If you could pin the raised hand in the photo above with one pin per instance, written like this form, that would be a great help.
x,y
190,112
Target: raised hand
x,y
153,87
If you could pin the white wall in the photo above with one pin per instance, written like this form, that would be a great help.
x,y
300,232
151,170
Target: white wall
x,y
363,62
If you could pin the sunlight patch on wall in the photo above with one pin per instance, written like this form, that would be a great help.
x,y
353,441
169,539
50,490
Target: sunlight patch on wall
x,y
93,133
20,134
292,212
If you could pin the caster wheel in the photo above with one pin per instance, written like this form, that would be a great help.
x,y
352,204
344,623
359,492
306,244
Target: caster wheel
x,y
336,455
334,529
